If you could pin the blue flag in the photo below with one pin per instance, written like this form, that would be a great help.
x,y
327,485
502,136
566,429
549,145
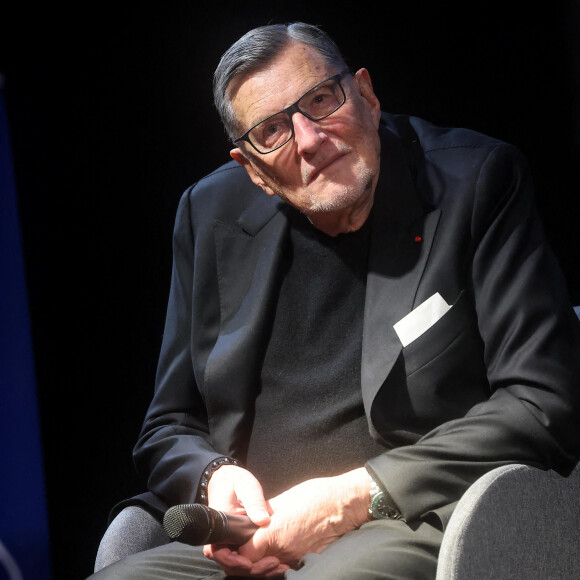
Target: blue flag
x,y
24,541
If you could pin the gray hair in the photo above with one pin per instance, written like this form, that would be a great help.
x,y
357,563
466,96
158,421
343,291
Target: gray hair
x,y
256,49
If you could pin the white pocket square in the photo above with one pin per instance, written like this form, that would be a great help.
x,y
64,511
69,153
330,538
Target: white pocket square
x,y
421,319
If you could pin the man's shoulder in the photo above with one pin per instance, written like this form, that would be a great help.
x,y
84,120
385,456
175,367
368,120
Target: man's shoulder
x,y
226,179
455,164
229,196
227,188
458,152
432,137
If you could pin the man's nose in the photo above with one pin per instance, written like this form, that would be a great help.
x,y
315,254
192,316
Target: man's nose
x,y
307,134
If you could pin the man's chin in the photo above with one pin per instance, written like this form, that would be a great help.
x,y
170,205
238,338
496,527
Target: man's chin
x,y
337,195
341,197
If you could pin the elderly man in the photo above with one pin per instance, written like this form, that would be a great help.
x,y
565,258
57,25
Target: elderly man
x,y
364,318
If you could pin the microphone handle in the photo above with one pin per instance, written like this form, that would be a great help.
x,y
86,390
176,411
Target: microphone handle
x,y
230,529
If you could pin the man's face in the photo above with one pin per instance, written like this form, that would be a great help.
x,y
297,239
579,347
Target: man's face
x,y
330,167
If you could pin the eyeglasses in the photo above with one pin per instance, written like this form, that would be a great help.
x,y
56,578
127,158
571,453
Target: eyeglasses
x,y
318,103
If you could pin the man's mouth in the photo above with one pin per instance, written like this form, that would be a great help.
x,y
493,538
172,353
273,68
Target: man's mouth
x,y
312,173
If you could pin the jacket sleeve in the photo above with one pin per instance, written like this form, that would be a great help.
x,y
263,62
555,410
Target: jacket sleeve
x,y
174,447
532,347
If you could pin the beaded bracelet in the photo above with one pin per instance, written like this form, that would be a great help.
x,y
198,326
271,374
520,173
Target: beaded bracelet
x,y
208,472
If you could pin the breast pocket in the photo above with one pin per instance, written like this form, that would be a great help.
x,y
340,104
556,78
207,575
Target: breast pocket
x,y
441,335
444,367
436,378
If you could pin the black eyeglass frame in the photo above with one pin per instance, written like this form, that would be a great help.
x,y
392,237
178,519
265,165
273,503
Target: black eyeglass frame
x,y
294,108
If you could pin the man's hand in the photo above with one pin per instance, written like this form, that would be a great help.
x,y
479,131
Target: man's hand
x,y
309,516
235,490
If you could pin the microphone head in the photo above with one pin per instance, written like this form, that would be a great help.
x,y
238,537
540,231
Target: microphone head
x,y
189,523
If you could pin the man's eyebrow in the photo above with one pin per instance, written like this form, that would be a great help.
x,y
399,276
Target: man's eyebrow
x,y
257,120
253,123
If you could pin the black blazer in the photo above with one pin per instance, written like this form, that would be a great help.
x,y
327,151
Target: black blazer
x,y
496,380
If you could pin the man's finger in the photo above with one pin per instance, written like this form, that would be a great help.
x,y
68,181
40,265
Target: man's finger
x,y
228,558
251,496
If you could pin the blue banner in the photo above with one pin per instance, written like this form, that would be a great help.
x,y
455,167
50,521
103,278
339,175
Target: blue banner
x,y
24,540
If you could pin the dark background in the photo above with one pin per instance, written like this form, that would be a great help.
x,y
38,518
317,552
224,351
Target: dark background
x,y
111,119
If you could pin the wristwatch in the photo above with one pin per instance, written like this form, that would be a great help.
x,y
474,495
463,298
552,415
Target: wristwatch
x,y
382,506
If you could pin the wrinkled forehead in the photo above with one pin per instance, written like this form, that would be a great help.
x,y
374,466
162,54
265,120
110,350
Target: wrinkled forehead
x,y
279,84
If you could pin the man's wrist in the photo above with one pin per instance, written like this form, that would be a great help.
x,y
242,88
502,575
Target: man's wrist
x,y
211,468
355,493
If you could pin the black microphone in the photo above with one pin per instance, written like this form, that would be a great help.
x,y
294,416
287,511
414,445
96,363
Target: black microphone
x,y
196,525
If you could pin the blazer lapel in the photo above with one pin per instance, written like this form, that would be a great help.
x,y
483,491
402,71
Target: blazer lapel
x,y
249,258
401,237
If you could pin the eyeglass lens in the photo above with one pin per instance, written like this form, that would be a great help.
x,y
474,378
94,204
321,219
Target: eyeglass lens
x,y
316,104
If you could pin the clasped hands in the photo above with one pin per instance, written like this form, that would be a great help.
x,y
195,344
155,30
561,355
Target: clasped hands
x,y
304,519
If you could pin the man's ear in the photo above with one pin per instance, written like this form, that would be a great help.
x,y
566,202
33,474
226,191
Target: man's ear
x,y
365,87
238,155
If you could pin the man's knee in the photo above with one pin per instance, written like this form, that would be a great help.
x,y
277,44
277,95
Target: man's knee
x,y
380,549
117,570
173,560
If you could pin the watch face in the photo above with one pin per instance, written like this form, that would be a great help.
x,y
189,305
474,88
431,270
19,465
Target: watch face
x,y
381,509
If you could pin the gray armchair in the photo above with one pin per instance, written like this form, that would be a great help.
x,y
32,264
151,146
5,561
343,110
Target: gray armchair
x,y
515,522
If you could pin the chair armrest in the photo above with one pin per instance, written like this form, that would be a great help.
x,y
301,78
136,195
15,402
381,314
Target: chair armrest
x,y
133,530
515,522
